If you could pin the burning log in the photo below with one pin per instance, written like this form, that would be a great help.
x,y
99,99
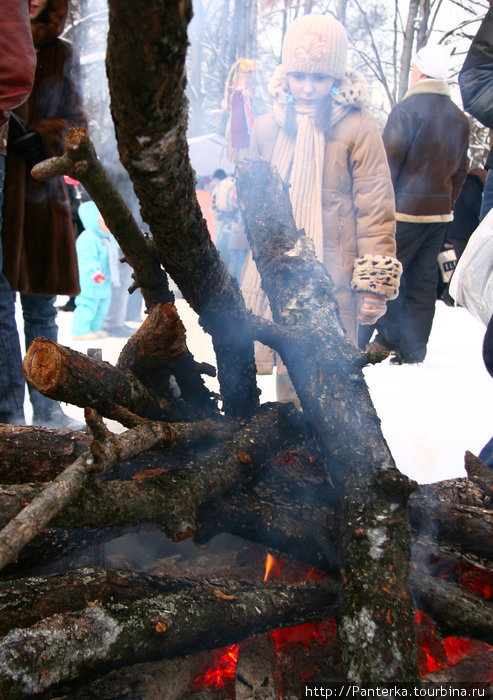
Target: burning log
x,y
374,540
181,616
103,456
172,499
373,534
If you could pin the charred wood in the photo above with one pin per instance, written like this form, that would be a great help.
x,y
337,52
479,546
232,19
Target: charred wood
x,y
33,453
326,371
173,498
181,616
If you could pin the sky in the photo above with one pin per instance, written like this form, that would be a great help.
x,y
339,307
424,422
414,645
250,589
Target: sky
x,y
430,413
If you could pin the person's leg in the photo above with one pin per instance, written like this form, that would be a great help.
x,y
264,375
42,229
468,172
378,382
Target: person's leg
x,y
83,315
12,384
390,326
420,297
117,310
100,312
39,313
487,201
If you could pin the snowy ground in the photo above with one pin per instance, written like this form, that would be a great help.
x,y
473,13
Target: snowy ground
x,y
431,414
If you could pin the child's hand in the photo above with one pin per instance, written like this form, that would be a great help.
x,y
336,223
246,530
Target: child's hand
x,y
372,307
98,277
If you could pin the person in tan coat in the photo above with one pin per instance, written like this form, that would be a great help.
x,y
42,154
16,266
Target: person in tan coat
x,y
330,152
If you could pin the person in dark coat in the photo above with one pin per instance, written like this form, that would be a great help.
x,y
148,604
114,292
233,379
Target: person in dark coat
x,y
426,140
40,259
476,89
467,210
17,65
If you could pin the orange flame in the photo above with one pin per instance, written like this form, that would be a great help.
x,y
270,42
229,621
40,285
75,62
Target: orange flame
x,y
269,565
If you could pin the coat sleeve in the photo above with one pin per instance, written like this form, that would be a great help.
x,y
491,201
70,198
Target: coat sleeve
x,y
17,56
476,75
373,194
69,110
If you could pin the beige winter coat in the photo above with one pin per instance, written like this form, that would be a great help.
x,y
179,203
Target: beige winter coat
x,y
358,207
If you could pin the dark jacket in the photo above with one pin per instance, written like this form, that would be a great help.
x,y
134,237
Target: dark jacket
x,y
17,61
467,208
38,242
476,77
426,140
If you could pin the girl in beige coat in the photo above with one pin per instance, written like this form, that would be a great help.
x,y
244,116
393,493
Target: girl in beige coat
x,y
331,153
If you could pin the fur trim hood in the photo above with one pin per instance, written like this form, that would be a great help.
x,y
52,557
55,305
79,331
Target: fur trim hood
x,y
50,23
352,92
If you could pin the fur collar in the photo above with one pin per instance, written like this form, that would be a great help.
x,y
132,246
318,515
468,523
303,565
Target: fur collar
x,y
428,86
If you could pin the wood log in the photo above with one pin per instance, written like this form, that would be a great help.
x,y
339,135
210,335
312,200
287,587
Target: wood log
x,y
326,371
173,499
103,456
184,616
157,347
64,374
289,506
34,453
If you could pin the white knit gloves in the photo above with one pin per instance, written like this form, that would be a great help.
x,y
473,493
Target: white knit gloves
x,y
372,307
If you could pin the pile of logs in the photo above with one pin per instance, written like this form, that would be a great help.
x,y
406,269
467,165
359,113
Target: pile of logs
x,y
318,485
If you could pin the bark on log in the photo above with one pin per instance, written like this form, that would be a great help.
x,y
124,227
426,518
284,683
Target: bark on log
x,y
64,374
81,162
374,541
32,453
182,617
289,506
153,148
103,456
173,499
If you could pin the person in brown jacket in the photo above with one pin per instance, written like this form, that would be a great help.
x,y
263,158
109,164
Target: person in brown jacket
x,y
329,150
426,140
17,64
40,260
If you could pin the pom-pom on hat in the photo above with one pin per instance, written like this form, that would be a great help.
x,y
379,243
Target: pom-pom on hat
x,y
315,44
434,61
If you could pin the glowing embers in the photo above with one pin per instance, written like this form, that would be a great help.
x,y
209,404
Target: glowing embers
x,y
221,674
435,653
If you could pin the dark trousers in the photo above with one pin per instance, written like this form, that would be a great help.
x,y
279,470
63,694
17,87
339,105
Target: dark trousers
x,y
407,324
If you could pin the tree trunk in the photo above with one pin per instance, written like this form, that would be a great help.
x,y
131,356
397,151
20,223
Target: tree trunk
x,y
153,148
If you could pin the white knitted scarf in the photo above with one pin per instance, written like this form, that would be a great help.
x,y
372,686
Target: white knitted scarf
x,y
299,159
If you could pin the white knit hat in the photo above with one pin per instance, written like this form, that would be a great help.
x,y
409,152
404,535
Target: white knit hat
x,y
315,44
434,61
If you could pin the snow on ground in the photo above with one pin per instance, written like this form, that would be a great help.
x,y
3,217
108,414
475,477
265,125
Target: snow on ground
x,y
431,413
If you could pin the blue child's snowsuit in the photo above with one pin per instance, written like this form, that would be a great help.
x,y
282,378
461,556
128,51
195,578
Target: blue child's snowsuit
x,y
94,249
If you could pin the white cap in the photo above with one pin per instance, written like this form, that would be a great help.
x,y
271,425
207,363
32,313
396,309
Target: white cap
x,y
434,61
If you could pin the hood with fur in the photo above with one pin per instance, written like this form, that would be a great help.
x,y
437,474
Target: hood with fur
x,y
50,23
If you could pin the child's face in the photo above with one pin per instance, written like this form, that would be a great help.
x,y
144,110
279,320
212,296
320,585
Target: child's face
x,y
310,89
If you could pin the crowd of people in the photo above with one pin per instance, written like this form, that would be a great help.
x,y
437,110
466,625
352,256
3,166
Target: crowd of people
x,y
379,207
